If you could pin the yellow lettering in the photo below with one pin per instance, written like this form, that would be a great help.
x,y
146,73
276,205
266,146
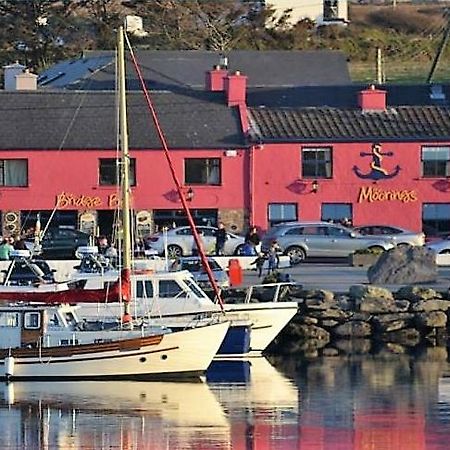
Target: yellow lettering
x,y
370,194
65,200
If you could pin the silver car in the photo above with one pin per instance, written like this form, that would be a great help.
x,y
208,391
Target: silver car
x,y
194,265
299,240
399,236
440,247
180,241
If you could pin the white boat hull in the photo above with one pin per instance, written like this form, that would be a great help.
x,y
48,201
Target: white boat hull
x,y
267,319
184,354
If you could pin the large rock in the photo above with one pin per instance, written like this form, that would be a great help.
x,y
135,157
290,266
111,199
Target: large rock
x,y
404,265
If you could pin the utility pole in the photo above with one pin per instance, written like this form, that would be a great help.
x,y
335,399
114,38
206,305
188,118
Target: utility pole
x,y
440,50
379,67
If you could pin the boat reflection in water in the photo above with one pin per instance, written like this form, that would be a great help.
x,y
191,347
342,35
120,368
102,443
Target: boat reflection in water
x,y
100,415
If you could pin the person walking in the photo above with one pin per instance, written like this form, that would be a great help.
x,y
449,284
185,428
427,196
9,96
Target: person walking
x,y
221,237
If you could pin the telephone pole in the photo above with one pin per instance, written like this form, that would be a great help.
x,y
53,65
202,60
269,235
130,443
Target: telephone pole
x,y
440,50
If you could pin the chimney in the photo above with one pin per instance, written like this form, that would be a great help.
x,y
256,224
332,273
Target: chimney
x,y
236,88
372,99
26,81
10,72
215,79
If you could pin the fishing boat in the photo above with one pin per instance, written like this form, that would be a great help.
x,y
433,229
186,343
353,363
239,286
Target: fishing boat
x,y
50,342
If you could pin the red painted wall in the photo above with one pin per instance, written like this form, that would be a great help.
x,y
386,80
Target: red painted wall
x,y
278,172
76,172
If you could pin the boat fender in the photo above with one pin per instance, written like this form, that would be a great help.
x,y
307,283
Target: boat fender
x,y
9,366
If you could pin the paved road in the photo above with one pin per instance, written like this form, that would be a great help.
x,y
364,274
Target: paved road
x,y
338,277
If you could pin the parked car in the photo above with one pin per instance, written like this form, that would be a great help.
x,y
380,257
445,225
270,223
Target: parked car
x,y
440,247
194,265
299,240
399,236
180,241
60,243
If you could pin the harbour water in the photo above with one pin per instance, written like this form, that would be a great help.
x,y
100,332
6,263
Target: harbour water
x,y
383,402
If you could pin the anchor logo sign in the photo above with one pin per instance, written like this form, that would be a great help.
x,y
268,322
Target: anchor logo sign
x,y
377,172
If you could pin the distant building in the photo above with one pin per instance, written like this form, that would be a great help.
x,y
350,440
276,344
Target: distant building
x,y
322,12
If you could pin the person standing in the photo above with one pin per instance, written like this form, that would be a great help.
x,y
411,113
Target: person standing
x,y
5,250
273,257
221,237
252,238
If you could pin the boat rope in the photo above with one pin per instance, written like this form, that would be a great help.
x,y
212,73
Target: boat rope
x,y
178,185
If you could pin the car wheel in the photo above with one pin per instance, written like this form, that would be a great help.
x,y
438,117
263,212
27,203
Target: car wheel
x,y
376,249
445,252
296,255
403,245
238,250
174,251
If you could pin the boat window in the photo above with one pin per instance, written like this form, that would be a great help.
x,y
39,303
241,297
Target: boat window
x,y
194,288
9,319
68,342
144,289
32,320
70,318
54,320
170,288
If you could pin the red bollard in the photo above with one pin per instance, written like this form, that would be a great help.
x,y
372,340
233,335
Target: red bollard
x,y
235,272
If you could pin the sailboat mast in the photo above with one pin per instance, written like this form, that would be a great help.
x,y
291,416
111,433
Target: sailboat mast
x,y
125,159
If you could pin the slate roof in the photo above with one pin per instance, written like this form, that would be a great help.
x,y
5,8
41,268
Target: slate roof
x,y
87,120
170,70
322,124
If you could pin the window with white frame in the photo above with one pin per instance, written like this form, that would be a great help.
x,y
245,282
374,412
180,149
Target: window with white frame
x,y
435,161
202,171
331,10
14,172
337,212
316,162
282,212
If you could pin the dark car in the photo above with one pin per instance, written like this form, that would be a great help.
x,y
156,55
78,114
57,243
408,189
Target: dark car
x,y
61,243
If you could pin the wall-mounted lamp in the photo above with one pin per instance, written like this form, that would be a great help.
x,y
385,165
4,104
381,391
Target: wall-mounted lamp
x,y
315,186
190,195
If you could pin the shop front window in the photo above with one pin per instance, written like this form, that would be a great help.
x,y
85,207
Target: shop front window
x,y
282,212
337,212
436,216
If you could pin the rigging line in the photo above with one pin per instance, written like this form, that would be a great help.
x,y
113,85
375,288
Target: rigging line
x,y
165,146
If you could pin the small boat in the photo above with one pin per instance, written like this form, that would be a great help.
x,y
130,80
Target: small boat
x,y
52,343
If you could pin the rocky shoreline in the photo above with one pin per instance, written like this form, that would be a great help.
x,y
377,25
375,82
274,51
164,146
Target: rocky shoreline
x,y
360,321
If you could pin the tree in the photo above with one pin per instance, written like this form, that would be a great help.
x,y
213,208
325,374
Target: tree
x,y
33,30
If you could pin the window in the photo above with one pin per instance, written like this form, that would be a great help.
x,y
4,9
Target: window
x,y
8,319
436,215
331,10
109,169
282,212
14,172
32,321
170,288
202,171
336,212
144,289
316,162
435,161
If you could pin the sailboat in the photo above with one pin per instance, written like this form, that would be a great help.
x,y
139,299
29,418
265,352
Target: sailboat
x,y
51,343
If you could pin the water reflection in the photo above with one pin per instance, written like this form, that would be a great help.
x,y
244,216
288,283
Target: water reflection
x,y
379,402
103,415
